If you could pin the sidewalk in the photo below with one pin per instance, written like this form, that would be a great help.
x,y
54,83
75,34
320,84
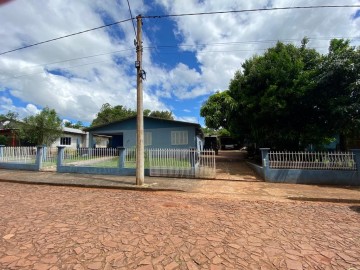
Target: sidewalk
x,y
246,190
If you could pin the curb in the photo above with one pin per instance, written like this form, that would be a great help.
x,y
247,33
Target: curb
x,y
135,188
330,200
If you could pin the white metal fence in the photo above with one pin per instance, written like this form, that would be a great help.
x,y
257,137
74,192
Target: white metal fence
x,y
91,157
161,162
19,154
49,158
186,163
206,166
130,158
312,160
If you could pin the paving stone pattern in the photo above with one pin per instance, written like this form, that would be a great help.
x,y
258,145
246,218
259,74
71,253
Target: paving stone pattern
x,y
47,227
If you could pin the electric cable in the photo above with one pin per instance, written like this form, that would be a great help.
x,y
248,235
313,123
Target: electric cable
x,y
132,18
181,15
66,36
247,10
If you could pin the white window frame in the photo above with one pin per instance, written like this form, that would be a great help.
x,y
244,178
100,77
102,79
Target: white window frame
x,y
64,140
147,138
180,137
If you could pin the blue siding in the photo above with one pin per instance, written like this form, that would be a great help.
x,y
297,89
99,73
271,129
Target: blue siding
x,y
161,137
160,129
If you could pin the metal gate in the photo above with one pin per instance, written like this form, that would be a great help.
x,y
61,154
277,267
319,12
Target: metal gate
x,y
186,163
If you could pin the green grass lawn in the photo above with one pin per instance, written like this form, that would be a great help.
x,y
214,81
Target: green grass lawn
x,y
113,163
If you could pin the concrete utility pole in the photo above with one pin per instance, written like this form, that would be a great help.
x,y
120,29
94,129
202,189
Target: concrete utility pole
x,y
140,112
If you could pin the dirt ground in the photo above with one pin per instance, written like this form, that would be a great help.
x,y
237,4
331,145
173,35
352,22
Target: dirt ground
x,y
231,165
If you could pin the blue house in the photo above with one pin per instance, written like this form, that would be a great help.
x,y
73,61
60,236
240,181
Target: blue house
x,y
158,133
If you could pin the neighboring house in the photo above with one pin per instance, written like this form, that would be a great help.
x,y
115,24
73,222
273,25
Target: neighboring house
x,y
158,133
72,138
75,138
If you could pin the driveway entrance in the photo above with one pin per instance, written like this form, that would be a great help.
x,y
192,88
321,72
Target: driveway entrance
x,y
231,165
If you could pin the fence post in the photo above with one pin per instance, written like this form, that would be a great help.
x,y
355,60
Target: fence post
x,y
44,157
356,153
265,161
60,157
121,156
192,157
39,157
1,151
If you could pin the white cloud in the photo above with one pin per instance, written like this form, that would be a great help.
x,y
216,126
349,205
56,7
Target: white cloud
x,y
87,83
222,41
221,44
187,119
7,105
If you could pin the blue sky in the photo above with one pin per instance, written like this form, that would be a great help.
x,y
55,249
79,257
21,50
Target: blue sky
x,y
186,58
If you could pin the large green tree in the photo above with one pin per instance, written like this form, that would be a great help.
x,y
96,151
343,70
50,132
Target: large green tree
x,y
338,90
42,128
110,114
217,110
159,114
77,125
291,97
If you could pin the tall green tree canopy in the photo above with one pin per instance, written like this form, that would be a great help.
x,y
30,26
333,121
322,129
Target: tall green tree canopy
x,y
42,128
77,125
338,90
290,97
110,114
9,120
159,114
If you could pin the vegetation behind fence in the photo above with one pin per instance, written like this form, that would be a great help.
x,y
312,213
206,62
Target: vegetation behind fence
x,y
91,157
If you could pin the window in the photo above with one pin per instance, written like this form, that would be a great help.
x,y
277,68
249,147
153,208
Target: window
x,y
147,138
179,137
65,141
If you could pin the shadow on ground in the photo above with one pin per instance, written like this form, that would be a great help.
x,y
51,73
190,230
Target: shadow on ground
x,y
355,208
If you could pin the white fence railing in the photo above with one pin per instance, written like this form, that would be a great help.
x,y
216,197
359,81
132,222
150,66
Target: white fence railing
x,y
312,160
161,162
206,166
91,157
49,157
130,158
19,154
181,163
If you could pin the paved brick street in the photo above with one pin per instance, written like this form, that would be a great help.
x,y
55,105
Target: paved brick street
x,y
47,227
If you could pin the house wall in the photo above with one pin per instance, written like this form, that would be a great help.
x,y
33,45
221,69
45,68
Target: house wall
x,y
161,132
161,138
74,138
101,142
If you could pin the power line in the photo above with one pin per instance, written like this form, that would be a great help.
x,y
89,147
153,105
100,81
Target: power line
x,y
248,10
179,15
147,48
66,36
77,58
71,67
132,18
154,48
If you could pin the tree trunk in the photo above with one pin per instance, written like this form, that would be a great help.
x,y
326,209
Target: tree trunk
x,y
343,142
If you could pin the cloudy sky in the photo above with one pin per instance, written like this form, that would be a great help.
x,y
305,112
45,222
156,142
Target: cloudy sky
x,y
186,59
